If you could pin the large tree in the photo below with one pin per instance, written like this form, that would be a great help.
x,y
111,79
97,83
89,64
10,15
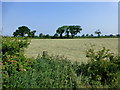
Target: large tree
x,y
40,35
60,31
21,31
98,32
66,28
16,33
74,30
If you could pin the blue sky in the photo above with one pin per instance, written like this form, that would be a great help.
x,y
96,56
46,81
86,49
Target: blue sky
x,y
0,17
46,17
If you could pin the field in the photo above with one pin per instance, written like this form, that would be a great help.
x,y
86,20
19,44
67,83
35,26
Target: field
x,y
73,49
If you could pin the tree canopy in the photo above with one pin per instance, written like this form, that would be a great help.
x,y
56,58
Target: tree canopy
x,y
98,32
73,30
22,31
68,31
60,31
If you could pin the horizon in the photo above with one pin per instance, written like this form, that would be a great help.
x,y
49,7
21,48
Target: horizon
x,y
46,17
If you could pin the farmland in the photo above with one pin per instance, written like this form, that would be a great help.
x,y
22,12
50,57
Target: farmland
x,y
73,49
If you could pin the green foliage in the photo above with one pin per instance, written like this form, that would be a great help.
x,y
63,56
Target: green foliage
x,y
69,29
21,31
46,73
101,68
98,32
55,35
24,30
101,71
41,35
32,34
74,30
13,59
12,46
60,31
47,36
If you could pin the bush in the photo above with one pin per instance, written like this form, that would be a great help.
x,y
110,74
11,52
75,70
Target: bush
x,y
46,73
101,69
13,59
13,46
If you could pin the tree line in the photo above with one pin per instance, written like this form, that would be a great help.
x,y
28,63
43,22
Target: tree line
x,y
68,31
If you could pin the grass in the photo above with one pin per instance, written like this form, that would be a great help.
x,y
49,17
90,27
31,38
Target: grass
x,y
73,49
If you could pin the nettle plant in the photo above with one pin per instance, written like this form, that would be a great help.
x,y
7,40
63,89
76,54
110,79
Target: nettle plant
x,y
101,68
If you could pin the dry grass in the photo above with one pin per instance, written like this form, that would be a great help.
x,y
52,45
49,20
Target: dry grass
x,y
73,49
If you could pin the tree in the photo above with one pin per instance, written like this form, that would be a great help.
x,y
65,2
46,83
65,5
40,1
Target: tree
x,y
87,35
47,36
118,35
74,30
55,35
111,35
98,32
41,35
32,33
61,30
83,35
21,31
15,34
91,35
66,28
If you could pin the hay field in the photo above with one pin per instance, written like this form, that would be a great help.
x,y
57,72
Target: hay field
x,y
73,49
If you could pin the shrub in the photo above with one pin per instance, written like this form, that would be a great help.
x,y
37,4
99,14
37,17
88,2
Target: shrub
x,y
13,46
13,59
101,67
45,73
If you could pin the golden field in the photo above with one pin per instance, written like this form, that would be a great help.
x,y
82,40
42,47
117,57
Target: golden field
x,y
73,49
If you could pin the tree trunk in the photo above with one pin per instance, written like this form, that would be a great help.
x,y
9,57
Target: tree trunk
x,y
72,36
98,35
67,35
22,34
60,35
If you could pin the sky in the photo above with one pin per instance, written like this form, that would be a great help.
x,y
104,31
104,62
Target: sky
x,y
46,17
60,0
0,18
